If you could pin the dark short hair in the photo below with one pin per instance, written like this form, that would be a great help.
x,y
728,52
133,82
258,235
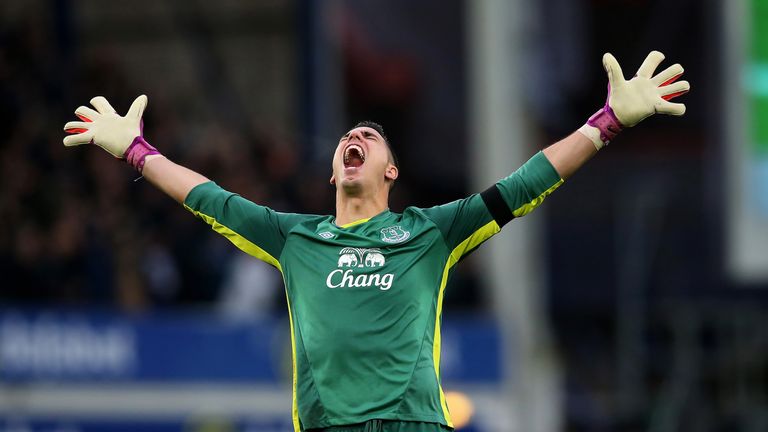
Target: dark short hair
x,y
378,128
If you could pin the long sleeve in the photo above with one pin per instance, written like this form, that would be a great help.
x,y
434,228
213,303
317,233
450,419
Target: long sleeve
x,y
255,229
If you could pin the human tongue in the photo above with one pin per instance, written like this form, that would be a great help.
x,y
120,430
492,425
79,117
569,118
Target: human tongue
x,y
355,160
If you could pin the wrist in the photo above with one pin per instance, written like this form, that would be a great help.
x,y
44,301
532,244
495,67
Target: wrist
x,y
152,157
602,127
593,134
137,153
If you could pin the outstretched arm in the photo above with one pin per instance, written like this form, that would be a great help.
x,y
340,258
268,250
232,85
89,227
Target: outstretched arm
x,y
570,153
628,103
123,138
173,179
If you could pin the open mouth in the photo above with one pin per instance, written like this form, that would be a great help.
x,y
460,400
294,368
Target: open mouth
x,y
353,156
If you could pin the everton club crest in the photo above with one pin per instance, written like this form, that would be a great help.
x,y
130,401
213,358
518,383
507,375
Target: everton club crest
x,y
394,234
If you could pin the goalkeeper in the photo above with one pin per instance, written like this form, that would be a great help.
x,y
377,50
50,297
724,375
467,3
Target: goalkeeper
x,y
365,286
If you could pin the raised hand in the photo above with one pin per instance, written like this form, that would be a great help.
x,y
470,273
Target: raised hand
x,y
629,102
118,135
645,94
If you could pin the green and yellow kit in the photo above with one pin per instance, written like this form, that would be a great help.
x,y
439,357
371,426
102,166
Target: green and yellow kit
x,y
365,298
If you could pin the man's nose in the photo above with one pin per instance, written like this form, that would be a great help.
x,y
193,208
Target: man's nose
x,y
356,134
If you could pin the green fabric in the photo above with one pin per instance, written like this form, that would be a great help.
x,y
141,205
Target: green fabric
x,y
365,303
365,300
388,426
529,184
261,225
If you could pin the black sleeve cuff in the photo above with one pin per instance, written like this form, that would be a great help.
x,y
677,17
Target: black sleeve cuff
x,y
498,208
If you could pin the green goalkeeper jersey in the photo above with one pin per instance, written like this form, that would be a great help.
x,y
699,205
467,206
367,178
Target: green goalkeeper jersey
x,y
365,299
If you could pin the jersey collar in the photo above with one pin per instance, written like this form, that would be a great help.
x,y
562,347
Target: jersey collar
x,y
361,221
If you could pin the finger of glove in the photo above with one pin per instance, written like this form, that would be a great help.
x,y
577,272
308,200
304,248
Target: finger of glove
x,y
102,106
79,139
76,127
674,90
611,65
669,108
668,75
86,114
137,107
651,62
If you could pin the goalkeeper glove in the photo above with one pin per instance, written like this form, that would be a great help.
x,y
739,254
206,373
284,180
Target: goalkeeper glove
x,y
120,136
629,102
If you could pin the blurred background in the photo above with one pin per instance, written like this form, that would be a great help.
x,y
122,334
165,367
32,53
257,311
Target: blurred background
x,y
634,299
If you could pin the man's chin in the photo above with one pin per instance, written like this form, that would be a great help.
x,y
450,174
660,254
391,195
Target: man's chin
x,y
351,187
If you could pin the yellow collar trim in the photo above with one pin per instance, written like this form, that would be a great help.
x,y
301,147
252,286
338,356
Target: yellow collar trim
x,y
357,222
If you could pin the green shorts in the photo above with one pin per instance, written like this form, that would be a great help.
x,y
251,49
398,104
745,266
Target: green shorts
x,y
387,426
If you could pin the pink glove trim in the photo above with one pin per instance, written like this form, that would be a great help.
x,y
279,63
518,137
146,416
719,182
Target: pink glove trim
x,y
137,152
606,122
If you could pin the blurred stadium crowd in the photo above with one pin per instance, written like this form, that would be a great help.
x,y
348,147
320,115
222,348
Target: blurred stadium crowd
x,y
80,230
77,229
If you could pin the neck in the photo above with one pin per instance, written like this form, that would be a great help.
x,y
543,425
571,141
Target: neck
x,y
350,208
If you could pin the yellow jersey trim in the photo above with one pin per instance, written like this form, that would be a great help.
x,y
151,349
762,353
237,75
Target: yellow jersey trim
x,y
480,235
294,384
357,222
241,242
530,206
251,249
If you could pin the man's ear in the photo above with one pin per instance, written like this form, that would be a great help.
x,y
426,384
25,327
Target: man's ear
x,y
391,173
332,180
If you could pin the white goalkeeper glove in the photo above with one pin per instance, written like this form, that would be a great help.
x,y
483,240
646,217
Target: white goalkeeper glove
x,y
120,136
629,102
